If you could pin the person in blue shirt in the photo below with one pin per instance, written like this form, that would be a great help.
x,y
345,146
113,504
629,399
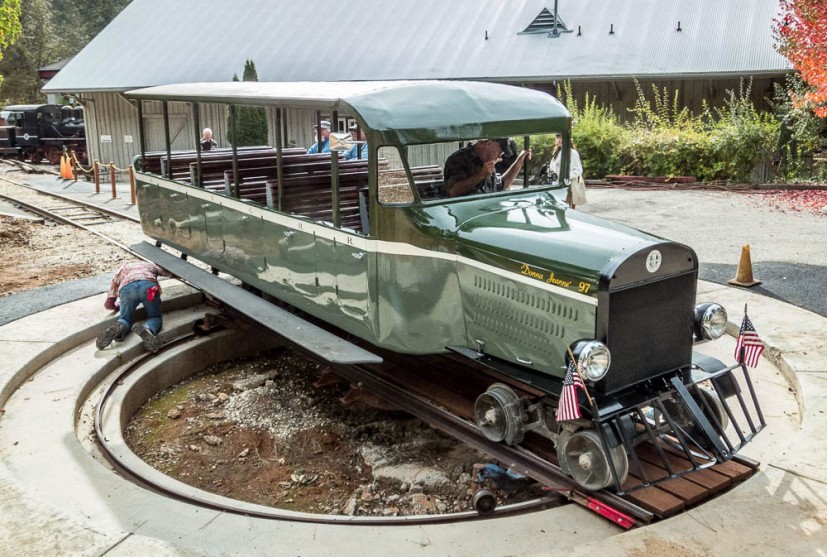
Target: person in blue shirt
x,y
359,150
325,141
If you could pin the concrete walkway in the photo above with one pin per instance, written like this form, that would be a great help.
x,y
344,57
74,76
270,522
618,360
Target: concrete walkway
x,y
57,498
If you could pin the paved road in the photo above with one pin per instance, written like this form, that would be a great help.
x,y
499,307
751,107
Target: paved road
x,y
786,247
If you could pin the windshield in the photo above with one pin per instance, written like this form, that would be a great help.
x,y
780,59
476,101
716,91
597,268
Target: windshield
x,y
436,172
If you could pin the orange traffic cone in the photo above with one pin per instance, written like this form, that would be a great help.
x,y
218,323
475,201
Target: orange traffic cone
x,y
743,277
65,168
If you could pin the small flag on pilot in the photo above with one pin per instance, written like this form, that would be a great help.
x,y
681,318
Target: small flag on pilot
x,y
748,348
568,409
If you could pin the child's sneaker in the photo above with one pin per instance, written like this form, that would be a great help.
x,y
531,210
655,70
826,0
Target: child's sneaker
x,y
151,342
106,337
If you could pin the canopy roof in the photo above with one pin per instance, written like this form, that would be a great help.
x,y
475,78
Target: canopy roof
x,y
394,112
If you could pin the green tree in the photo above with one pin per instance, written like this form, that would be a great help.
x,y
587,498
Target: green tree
x,y
251,121
34,48
9,25
49,31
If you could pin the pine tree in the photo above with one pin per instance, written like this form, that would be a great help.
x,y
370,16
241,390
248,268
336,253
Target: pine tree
x,y
251,121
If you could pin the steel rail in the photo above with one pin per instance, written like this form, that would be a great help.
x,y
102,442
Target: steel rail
x,y
64,220
515,458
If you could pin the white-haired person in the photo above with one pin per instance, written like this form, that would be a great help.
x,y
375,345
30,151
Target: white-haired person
x,y
325,139
207,142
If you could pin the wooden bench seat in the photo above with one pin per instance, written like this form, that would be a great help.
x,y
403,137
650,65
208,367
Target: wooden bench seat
x,y
156,162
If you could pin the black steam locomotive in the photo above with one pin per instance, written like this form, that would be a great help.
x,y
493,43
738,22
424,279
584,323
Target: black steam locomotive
x,y
37,132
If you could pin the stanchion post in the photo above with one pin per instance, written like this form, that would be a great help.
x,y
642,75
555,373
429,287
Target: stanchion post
x,y
132,184
74,163
112,179
97,169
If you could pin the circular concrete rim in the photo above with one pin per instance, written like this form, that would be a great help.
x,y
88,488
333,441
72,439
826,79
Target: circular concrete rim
x,y
135,384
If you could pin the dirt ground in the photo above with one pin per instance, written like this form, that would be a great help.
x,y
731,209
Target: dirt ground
x,y
258,430
38,254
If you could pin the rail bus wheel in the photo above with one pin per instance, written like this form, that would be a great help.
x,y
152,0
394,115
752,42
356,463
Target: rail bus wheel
x,y
683,417
715,404
584,457
499,415
484,501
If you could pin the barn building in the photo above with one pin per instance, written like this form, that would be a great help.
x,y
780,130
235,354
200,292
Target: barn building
x,y
702,48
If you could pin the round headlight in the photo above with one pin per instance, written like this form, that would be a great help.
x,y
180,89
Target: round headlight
x,y
710,321
594,360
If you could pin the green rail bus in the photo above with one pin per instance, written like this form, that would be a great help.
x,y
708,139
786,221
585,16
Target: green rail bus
x,y
381,248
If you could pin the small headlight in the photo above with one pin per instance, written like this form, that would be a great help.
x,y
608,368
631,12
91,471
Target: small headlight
x,y
593,359
710,321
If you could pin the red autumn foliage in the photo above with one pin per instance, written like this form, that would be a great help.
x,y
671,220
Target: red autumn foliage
x,y
793,201
802,34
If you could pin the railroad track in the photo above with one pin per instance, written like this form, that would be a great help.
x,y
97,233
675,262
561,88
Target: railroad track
x,y
71,212
114,227
441,391
111,444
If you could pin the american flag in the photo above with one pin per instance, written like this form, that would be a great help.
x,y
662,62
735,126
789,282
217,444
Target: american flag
x,y
568,409
749,343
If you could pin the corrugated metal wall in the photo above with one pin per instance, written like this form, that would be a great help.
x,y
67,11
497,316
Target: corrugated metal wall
x,y
112,133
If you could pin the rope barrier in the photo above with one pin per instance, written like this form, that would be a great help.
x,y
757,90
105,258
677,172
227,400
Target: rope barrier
x,y
127,169
80,166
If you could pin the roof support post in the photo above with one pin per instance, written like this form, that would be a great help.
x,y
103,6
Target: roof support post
x,y
279,160
142,135
334,174
526,147
565,157
165,111
234,135
196,118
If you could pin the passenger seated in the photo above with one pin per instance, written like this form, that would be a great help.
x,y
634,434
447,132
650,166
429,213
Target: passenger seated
x,y
325,133
471,169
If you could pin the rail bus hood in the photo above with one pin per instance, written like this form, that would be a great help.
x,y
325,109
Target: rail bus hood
x,y
542,233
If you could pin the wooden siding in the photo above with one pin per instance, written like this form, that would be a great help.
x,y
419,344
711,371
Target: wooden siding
x,y
621,95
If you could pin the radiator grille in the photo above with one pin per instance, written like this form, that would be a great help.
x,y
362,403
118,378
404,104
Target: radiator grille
x,y
649,330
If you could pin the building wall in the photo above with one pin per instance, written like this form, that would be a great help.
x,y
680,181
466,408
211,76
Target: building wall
x,y
112,121
112,131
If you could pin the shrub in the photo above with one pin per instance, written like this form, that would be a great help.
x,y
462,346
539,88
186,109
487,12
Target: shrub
x,y
596,133
664,139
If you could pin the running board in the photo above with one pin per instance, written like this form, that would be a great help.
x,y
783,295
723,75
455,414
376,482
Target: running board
x,y
315,340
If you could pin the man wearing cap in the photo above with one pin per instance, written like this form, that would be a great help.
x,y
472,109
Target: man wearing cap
x,y
471,169
325,141
359,150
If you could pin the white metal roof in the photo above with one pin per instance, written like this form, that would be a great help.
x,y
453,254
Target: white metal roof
x,y
155,42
